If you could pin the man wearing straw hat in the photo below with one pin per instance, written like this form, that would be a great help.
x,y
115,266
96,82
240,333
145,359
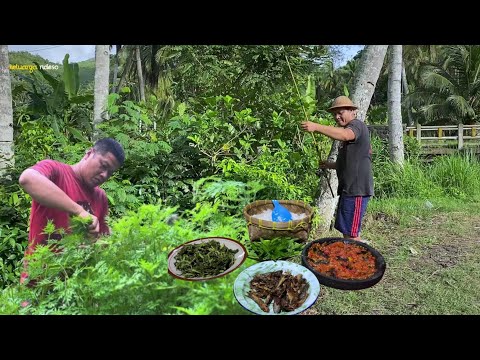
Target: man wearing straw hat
x,y
353,165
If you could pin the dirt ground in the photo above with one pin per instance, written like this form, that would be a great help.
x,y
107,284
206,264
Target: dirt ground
x,y
452,243
438,242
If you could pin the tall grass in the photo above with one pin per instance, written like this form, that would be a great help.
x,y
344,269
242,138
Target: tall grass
x,y
457,175
410,181
454,175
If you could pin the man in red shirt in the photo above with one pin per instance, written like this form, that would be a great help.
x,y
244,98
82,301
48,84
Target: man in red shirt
x,y
59,191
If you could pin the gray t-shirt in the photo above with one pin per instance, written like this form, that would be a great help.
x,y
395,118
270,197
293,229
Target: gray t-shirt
x,y
354,162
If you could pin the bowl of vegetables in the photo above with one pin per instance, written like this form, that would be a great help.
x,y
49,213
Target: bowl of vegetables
x,y
206,258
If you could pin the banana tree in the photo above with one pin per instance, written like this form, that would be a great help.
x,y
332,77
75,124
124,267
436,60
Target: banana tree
x,y
59,103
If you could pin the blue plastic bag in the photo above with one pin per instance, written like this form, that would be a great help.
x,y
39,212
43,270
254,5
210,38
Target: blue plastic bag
x,y
280,213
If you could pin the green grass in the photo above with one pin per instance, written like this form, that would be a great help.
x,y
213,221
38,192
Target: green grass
x,y
432,256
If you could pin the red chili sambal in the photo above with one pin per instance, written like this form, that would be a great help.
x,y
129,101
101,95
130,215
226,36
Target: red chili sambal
x,y
341,260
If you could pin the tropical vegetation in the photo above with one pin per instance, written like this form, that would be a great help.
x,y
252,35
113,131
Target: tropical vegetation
x,y
218,129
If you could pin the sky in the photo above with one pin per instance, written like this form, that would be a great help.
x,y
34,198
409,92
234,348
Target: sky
x,y
56,53
348,51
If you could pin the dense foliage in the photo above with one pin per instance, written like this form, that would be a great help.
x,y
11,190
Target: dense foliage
x,y
218,130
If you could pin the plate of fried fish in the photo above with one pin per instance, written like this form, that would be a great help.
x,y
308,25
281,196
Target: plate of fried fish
x,y
276,288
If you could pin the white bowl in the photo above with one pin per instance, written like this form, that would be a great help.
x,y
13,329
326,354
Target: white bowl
x,y
241,287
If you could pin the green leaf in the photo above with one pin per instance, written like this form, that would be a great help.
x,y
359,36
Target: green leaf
x,y
54,83
181,108
82,99
111,200
274,249
76,134
70,77
14,199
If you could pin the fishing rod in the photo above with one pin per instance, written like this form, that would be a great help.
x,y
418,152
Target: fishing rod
x,y
323,171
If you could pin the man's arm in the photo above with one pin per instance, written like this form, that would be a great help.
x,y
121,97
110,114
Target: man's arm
x,y
336,133
48,194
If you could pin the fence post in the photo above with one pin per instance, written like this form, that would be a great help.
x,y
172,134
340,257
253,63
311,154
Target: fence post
x,y
419,132
474,131
460,136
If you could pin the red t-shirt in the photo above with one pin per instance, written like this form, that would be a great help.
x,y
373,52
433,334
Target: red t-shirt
x,y
92,200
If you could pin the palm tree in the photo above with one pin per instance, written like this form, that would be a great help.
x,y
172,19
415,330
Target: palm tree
x,y
102,65
414,56
6,111
141,82
115,68
395,139
448,91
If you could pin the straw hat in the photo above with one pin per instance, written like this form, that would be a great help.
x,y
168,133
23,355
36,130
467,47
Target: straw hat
x,y
342,102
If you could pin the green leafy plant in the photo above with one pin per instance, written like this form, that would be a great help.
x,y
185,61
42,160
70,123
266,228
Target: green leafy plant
x,y
273,249
80,225
126,272
205,259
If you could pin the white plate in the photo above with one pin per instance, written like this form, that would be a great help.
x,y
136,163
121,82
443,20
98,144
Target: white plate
x,y
241,287
240,257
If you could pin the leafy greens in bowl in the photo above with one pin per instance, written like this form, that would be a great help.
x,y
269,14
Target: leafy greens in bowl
x,y
206,258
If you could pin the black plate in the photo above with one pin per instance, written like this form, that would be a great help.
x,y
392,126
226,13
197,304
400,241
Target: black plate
x,y
343,284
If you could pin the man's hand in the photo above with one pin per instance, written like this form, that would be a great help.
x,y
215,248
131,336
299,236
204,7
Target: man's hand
x,y
94,227
309,126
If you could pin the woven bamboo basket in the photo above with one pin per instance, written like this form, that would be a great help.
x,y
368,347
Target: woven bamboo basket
x,y
264,229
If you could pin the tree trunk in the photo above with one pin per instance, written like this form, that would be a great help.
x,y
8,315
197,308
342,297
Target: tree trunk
x,y
366,76
125,71
141,83
115,69
394,100
405,92
6,112
102,69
